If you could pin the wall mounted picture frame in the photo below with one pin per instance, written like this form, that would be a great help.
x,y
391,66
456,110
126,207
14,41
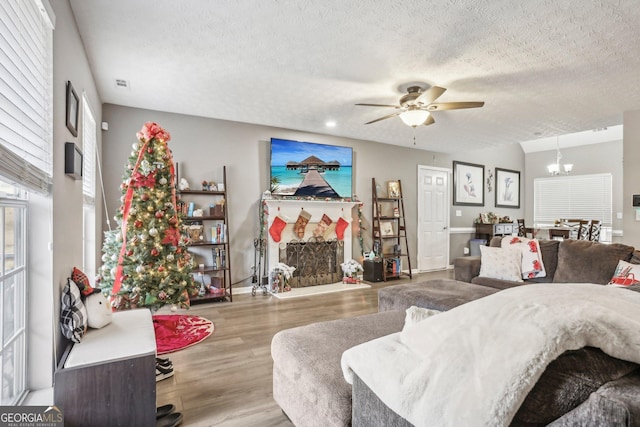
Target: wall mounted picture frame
x,y
73,107
468,184
507,188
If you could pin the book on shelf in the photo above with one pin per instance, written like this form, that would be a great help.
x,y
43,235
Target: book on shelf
x,y
219,233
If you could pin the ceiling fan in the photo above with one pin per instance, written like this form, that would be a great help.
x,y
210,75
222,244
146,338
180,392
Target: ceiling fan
x,y
416,106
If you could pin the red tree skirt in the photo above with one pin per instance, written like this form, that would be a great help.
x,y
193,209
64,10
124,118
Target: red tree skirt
x,y
178,331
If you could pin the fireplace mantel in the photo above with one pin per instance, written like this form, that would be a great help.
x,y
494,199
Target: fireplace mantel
x,y
289,210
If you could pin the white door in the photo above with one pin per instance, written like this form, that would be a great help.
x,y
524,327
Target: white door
x,y
433,218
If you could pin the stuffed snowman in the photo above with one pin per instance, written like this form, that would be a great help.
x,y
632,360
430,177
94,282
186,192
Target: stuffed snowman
x,y
98,310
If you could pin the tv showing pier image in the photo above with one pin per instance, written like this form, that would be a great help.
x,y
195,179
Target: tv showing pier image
x,y
308,169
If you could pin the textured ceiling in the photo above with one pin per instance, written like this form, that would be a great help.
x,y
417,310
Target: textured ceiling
x,y
543,67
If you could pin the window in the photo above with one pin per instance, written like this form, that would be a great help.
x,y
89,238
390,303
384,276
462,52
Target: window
x,y
26,109
13,284
581,196
89,189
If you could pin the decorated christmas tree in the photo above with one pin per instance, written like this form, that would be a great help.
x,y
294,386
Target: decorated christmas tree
x,y
146,263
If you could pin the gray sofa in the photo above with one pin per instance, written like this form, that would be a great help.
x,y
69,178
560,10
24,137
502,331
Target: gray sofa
x,y
567,261
580,388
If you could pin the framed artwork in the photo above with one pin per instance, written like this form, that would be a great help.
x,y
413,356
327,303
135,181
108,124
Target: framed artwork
x,y
393,189
386,228
73,104
468,184
507,188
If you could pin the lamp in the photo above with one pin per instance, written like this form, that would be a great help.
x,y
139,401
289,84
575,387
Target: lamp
x,y
554,169
414,116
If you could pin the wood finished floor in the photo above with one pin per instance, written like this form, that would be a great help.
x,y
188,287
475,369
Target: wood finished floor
x,y
226,380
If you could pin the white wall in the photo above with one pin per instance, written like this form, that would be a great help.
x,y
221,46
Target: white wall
x,y
202,146
69,63
588,159
631,186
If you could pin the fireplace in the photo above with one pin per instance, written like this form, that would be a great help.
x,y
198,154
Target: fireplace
x,y
317,259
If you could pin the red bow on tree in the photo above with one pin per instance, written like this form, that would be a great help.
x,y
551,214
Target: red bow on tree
x,y
139,180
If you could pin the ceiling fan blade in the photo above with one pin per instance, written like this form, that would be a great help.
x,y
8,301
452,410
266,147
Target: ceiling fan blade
x,y
453,105
430,120
382,118
380,105
430,95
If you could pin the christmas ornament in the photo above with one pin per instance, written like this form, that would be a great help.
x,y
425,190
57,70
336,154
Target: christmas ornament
x,y
153,232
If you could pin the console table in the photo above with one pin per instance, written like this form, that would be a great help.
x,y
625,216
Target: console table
x,y
108,379
490,230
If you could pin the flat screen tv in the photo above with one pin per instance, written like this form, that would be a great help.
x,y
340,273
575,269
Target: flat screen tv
x,y
308,169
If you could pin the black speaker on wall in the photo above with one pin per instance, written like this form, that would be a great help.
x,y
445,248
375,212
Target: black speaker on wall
x,y
636,200
72,160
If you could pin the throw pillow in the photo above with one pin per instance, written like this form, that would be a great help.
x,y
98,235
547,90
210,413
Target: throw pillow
x,y
82,281
532,265
626,274
73,315
417,314
582,261
500,263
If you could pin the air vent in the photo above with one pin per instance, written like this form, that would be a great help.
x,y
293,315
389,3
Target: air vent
x,y
122,83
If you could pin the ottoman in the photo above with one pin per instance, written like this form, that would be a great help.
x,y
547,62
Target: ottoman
x,y
307,377
438,294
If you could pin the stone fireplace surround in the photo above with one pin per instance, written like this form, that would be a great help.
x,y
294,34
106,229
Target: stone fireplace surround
x,y
289,210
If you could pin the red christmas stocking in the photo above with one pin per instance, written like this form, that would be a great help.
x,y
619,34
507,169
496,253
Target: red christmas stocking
x,y
340,227
322,226
276,228
301,224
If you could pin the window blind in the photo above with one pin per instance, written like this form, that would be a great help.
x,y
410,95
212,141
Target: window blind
x,y
26,58
88,154
581,196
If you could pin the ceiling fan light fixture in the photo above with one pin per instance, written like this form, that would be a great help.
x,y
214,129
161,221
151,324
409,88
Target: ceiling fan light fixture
x,y
414,118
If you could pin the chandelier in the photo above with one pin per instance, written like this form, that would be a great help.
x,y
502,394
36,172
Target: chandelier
x,y
555,168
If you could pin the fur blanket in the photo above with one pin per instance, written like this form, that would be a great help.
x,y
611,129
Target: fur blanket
x,y
475,364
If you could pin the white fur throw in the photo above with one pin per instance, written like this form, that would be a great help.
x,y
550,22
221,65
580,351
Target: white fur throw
x,y
475,364
417,314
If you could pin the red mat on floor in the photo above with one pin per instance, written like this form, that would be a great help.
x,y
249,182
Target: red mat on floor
x,y
177,331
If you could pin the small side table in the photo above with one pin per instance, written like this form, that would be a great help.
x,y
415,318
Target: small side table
x,y
372,270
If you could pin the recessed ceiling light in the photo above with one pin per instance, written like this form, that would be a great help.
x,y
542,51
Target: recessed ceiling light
x,y
330,124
